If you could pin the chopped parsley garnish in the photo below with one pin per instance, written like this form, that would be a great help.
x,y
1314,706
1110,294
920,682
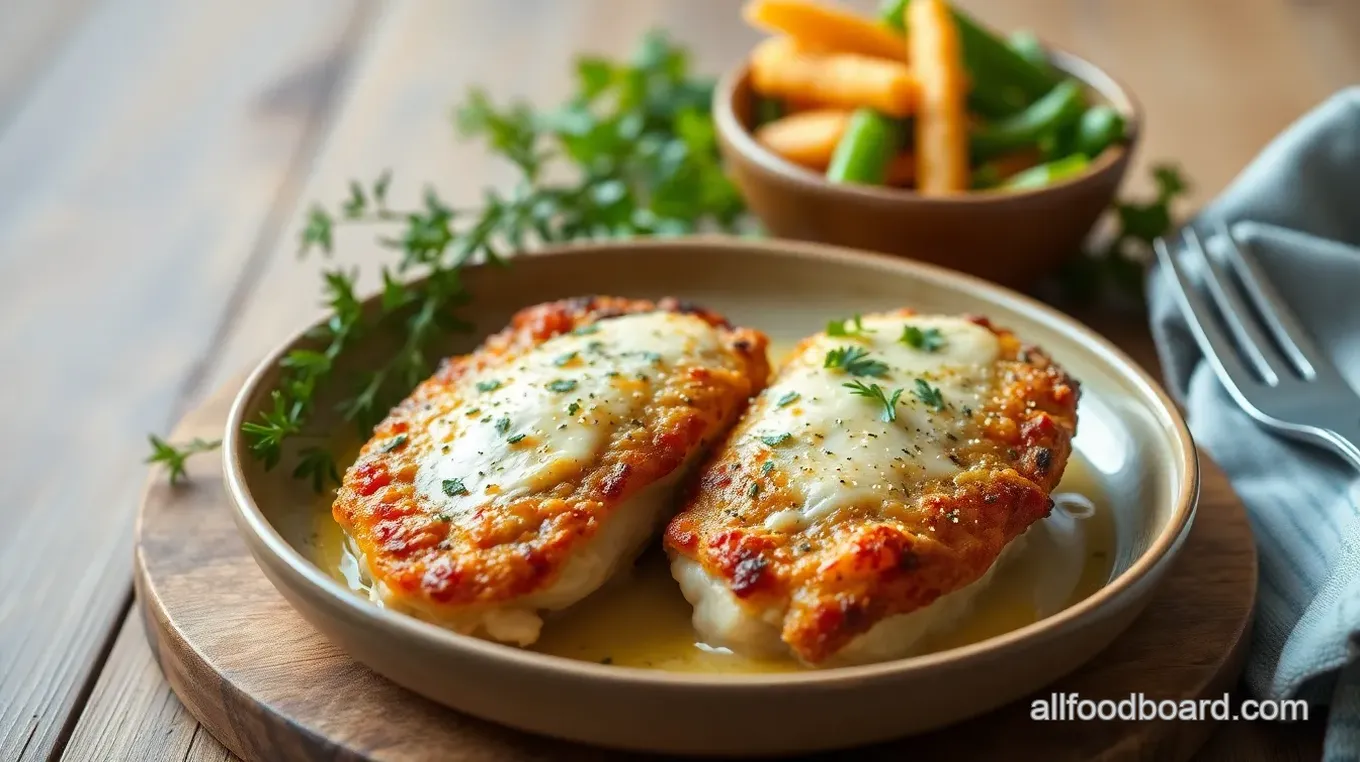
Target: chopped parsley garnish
x,y
562,385
928,394
787,399
396,442
752,491
855,361
774,440
514,438
502,425
929,340
473,412
488,386
573,408
564,359
767,468
855,328
454,487
586,330
651,357
875,392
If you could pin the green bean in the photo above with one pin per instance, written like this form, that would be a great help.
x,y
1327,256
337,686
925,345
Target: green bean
x,y
1063,105
863,153
1028,46
1003,80
1099,128
1048,174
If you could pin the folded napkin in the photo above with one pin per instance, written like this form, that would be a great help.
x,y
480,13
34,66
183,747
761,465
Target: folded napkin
x,y
1296,209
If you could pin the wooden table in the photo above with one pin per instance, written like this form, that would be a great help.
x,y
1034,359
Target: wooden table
x,y
156,157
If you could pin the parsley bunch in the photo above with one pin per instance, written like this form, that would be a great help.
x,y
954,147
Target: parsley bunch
x,y
638,139
1120,262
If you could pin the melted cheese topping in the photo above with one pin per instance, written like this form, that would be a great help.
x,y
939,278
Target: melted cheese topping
x,y
544,418
839,451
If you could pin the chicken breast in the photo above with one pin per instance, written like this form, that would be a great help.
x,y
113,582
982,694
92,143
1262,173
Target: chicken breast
x,y
519,478
869,491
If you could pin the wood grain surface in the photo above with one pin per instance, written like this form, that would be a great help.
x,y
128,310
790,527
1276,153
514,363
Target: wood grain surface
x,y
138,180
270,687
154,159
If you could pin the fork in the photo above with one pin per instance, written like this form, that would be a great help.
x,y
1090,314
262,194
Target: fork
x,y
1265,359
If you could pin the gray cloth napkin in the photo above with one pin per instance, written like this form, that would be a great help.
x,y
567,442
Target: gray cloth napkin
x,y
1296,209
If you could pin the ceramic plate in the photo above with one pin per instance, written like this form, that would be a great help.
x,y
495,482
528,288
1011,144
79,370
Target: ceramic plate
x,y
1132,454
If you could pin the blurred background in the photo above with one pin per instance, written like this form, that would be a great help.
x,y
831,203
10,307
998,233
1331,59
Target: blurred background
x,y
156,161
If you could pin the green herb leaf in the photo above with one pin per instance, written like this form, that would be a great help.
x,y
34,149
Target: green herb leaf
x,y
562,385
173,456
753,490
454,487
929,395
502,425
775,440
767,468
787,399
855,361
573,408
562,360
586,330
488,386
394,443
317,465
929,340
875,392
855,327
515,438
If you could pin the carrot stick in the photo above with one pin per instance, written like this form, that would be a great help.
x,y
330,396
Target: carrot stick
x,y
807,138
941,122
781,68
826,27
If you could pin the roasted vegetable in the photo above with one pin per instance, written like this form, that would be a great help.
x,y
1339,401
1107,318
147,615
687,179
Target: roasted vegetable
x,y
782,68
941,123
826,27
808,138
1003,80
1062,106
1048,174
864,152
1099,128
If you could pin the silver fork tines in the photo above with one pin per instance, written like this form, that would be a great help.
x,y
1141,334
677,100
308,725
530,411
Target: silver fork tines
x,y
1265,359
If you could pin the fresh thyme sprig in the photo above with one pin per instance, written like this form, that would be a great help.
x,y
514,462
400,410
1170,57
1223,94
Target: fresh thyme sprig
x,y
875,392
855,361
173,456
639,141
927,340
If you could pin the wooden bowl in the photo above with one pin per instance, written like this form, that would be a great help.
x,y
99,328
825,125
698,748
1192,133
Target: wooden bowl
x,y
1136,445
1011,238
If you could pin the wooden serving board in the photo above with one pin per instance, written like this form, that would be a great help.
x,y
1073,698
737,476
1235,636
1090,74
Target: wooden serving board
x,y
271,688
